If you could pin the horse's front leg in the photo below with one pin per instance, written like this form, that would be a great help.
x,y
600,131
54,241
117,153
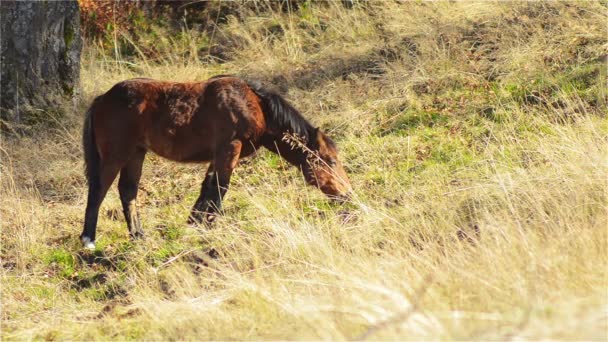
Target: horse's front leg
x,y
216,183
201,204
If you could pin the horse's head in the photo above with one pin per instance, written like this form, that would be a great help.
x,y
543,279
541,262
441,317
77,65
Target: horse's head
x,y
324,170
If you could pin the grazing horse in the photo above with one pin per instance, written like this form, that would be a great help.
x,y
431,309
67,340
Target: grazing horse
x,y
218,121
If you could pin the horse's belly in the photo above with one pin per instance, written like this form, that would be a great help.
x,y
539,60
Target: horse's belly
x,y
181,149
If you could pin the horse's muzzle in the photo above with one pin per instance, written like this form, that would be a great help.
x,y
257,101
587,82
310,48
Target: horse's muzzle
x,y
342,198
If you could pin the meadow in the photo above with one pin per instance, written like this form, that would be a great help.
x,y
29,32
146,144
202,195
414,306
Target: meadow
x,y
474,135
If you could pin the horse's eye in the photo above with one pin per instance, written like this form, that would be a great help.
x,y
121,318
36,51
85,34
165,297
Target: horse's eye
x,y
331,162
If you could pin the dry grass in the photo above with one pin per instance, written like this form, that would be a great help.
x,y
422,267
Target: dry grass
x,y
475,137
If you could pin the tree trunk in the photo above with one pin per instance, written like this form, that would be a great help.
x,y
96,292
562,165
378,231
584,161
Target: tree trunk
x,y
40,66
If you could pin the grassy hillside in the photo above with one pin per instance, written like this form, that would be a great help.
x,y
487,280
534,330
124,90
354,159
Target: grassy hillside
x,y
474,134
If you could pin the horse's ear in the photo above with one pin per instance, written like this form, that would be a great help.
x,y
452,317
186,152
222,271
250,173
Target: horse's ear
x,y
318,134
314,137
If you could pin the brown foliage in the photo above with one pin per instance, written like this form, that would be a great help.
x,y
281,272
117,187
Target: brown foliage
x,y
97,17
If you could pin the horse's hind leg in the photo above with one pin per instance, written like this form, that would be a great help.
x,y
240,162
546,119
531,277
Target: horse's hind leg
x,y
128,184
98,187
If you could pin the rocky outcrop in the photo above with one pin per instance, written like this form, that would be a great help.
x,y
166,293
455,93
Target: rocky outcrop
x,y
40,61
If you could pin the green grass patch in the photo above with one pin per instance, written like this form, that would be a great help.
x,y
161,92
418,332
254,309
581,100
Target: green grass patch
x,y
63,260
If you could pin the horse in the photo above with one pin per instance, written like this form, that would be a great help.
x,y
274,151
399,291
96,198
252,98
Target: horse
x,y
219,121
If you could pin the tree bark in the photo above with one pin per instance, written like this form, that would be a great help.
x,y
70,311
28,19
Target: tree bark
x,y
40,61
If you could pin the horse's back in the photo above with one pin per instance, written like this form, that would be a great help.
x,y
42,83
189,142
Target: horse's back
x,y
179,121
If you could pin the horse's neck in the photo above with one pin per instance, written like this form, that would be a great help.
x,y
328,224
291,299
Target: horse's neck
x,y
295,156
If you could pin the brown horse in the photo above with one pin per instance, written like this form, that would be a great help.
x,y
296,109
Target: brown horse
x,y
217,121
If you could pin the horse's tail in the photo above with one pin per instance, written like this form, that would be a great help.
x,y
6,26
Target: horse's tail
x,y
91,155
279,114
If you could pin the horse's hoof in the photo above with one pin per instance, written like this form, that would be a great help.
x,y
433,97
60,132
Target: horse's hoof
x,y
209,219
194,220
137,236
203,219
88,243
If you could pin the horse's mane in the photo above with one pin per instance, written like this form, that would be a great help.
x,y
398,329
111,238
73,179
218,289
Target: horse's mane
x,y
282,116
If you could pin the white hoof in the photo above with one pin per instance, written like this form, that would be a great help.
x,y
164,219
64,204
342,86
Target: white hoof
x,y
87,243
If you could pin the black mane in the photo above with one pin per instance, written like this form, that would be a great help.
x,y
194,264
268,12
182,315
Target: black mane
x,y
281,116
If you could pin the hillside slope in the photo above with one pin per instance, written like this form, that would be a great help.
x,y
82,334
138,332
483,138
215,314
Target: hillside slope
x,y
474,134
